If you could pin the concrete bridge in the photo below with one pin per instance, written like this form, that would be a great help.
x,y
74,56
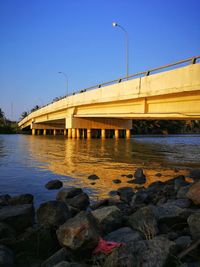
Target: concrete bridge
x,y
169,92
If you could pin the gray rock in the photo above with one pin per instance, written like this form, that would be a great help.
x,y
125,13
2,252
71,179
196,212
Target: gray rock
x,y
4,199
79,233
117,181
52,214
109,218
6,256
69,264
54,184
183,241
66,193
139,198
18,217
124,235
6,233
182,192
179,181
195,174
144,221
181,202
125,193
80,202
61,255
21,199
93,177
140,177
194,225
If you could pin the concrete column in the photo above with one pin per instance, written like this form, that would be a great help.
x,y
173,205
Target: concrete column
x,y
88,133
65,132
70,133
44,132
83,133
33,131
78,133
38,132
116,133
128,133
54,132
103,133
73,133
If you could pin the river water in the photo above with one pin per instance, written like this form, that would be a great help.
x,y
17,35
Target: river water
x,y
27,162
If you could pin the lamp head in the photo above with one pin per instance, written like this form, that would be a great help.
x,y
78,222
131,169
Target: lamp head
x,y
114,24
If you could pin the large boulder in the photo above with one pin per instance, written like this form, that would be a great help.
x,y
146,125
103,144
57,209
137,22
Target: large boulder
x,y
109,218
6,256
52,214
61,255
182,192
80,233
125,194
80,202
124,235
21,199
54,184
148,253
37,242
195,174
18,217
144,220
67,193
194,193
194,225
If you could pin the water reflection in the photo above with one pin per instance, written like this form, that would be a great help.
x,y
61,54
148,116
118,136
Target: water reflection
x,y
111,158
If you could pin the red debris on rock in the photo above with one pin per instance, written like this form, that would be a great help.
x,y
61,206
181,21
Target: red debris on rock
x,y
106,247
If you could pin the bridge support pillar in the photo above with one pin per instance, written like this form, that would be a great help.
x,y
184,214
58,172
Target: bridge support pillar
x,y
103,133
78,133
38,132
44,132
128,133
88,133
33,131
69,133
73,133
54,132
65,132
116,133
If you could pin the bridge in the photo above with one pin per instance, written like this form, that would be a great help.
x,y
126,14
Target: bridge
x,y
169,92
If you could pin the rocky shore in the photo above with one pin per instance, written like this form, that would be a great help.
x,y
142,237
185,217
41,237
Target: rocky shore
x,y
158,226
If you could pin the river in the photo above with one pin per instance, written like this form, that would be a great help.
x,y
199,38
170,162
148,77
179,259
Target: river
x,y
27,162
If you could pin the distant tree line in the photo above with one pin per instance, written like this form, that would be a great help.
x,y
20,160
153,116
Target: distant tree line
x,y
7,126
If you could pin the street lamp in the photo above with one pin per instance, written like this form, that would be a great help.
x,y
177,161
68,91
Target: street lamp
x,y
61,72
115,24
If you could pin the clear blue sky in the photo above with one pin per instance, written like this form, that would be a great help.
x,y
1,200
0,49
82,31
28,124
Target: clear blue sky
x,y
38,38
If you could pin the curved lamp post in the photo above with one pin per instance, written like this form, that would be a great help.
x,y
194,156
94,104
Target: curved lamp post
x,y
61,72
115,24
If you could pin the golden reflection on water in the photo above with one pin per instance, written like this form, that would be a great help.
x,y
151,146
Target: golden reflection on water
x,y
109,159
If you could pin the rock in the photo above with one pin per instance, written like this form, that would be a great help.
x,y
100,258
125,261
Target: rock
x,y
131,181
66,193
179,181
79,233
183,241
4,199
6,232
194,225
195,174
140,197
129,176
140,177
125,193
144,221
100,203
18,217
182,192
6,256
194,193
37,242
52,214
69,264
181,202
93,177
150,253
158,174
21,199
117,181
109,218
124,235
80,202
171,215
54,184
113,193
59,256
